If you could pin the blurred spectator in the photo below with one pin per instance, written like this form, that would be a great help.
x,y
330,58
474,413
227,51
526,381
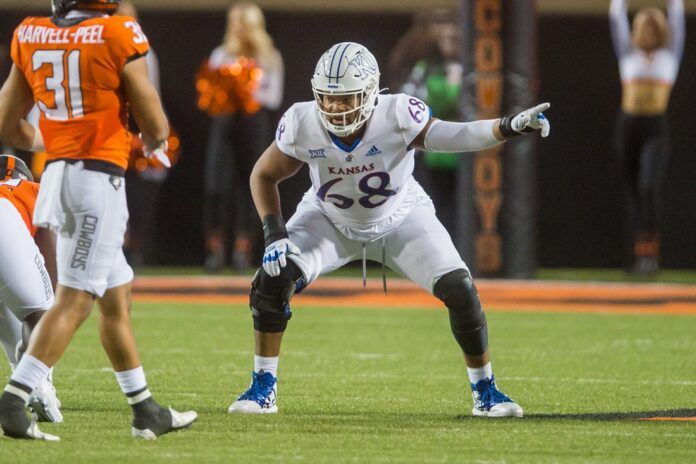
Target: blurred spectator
x,y
240,82
649,58
5,62
415,44
144,178
436,78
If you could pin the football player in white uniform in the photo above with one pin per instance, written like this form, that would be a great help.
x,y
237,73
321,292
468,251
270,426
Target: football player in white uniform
x,y
364,202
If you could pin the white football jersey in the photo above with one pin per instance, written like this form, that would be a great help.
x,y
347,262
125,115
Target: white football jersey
x,y
365,189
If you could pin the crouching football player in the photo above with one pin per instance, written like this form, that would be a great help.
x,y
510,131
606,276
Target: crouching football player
x,y
359,146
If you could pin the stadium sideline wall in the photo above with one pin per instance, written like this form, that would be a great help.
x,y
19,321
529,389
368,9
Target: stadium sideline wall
x,y
581,208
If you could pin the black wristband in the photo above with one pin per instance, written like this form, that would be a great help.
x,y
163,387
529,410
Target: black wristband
x,y
273,229
506,127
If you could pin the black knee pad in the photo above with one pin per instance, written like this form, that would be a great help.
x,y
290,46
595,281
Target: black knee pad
x,y
270,297
467,319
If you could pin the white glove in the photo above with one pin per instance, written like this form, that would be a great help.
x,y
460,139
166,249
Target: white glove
x,y
159,153
274,257
531,120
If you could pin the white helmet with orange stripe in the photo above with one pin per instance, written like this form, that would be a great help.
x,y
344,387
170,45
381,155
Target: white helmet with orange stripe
x,y
12,167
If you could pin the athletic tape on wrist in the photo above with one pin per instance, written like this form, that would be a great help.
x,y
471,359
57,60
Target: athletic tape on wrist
x,y
273,229
506,127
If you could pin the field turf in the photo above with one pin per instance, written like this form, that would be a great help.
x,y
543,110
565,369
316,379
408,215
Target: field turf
x,y
376,385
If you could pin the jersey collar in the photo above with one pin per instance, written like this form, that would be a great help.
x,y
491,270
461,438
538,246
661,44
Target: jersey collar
x,y
342,145
349,148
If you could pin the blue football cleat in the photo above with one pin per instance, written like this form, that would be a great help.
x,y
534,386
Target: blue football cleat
x,y
491,402
260,398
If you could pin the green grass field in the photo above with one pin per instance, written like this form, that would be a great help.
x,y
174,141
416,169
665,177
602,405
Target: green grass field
x,y
677,276
385,385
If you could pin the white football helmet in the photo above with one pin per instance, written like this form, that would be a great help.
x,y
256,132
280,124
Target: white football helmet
x,y
346,69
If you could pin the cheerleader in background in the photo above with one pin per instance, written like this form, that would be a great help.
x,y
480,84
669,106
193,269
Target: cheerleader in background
x,y
238,86
649,56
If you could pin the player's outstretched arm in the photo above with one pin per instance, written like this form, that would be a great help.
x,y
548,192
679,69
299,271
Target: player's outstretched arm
x,y
16,99
270,169
145,104
446,136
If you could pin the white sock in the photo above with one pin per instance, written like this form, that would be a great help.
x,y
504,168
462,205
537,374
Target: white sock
x,y
47,383
266,365
131,380
480,373
30,371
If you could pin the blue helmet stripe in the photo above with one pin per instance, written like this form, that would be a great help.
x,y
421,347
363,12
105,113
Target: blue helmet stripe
x,y
341,59
332,62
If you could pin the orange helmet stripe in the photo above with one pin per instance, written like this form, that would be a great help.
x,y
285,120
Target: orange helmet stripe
x,y
10,167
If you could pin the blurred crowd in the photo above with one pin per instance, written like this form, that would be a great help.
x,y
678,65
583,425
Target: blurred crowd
x,y
241,84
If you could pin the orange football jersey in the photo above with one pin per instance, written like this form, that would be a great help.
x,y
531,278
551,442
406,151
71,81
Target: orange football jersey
x,y
22,194
74,70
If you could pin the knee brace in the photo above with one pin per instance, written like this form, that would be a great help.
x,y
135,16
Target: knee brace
x,y
269,299
467,319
